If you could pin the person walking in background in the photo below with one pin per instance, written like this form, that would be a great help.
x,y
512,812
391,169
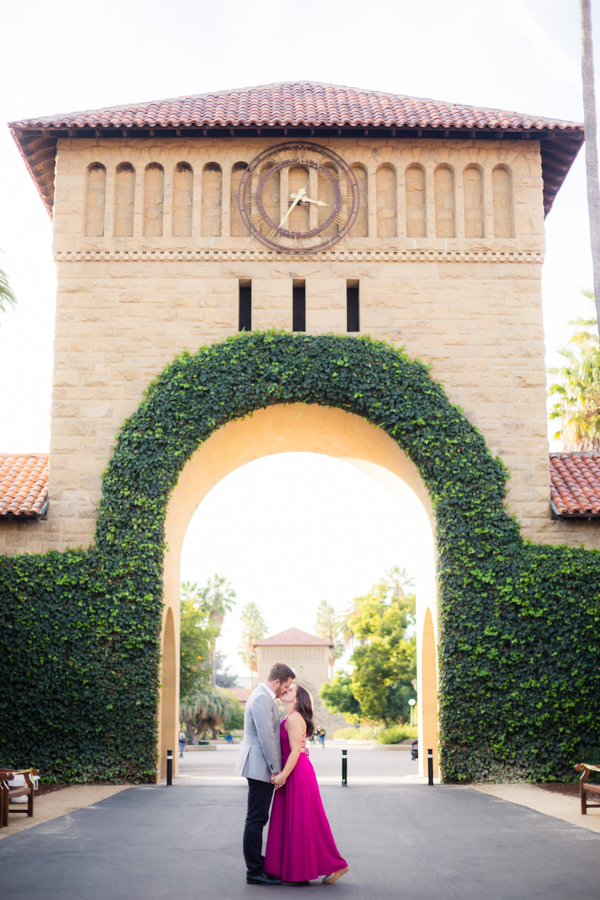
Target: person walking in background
x,y
300,845
182,743
258,761
322,734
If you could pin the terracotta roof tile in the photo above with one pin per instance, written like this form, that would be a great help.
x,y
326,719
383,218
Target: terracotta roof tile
x,y
575,483
301,105
574,492
293,637
23,484
298,103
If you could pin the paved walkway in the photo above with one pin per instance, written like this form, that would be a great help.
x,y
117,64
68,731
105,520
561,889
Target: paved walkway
x,y
365,765
402,841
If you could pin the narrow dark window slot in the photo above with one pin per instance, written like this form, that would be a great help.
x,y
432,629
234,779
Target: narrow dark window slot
x,y
245,306
352,306
299,306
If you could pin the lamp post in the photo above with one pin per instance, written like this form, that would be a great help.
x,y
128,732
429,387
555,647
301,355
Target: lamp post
x,y
411,703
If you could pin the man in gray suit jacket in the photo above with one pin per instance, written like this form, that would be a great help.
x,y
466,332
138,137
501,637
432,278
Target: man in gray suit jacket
x,y
259,759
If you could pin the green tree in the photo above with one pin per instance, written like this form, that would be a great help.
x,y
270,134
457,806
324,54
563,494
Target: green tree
x,y
399,580
253,629
216,598
7,297
211,708
219,598
197,638
385,659
577,388
339,697
327,626
345,621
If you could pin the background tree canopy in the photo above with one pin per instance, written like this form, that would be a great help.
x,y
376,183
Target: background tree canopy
x,y
577,387
7,297
197,638
384,660
204,704
253,629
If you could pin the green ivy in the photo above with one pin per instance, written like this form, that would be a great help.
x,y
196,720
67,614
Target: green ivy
x,y
519,623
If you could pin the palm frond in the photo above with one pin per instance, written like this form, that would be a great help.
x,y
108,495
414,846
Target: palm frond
x,y
7,297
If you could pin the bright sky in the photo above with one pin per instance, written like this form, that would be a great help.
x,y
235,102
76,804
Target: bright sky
x,y
62,55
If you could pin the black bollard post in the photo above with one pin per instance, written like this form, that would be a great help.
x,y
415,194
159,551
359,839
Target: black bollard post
x,y
169,767
344,768
430,766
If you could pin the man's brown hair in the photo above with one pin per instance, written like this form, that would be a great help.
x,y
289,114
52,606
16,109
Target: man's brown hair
x,y
280,672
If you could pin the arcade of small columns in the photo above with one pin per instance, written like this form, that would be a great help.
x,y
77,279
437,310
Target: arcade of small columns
x,y
181,199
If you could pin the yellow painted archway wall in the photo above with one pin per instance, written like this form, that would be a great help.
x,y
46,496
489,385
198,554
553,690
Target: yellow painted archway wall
x,y
311,429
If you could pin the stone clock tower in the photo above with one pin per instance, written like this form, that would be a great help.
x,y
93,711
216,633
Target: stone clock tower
x,y
304,207
299,206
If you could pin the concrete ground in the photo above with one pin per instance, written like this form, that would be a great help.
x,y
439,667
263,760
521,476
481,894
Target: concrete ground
x,y
365,766
59,803
400,839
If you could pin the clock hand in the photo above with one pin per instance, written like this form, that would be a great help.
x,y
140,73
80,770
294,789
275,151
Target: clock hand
x,y
317,202
297,197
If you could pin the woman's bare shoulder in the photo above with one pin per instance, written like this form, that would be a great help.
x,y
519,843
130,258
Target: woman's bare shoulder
x,y
295,722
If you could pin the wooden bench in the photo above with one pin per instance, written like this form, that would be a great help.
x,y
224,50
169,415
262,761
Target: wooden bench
x,y
8,792
585,788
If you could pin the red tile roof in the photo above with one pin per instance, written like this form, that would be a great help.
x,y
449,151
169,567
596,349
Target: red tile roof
x,y
23,484
574,492
301,105
575,483
293,637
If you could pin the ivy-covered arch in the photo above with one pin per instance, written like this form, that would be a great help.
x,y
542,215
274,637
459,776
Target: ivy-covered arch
x,y
519,623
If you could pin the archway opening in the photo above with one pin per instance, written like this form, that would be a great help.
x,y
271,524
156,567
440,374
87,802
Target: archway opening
x,y
342,436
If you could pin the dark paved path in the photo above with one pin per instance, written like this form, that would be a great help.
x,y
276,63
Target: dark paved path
x,y
411,842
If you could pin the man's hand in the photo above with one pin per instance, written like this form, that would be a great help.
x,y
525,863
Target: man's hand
x,y
278,780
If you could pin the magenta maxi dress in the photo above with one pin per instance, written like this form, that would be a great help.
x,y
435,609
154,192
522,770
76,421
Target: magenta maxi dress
x,y
300,845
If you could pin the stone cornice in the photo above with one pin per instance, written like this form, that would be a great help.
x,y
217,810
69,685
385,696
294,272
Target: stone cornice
x,y
368,256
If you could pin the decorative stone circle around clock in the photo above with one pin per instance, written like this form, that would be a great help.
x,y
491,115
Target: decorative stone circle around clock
x,y
278,161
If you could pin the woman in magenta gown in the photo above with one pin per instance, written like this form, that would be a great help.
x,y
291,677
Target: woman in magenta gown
x,y
300,845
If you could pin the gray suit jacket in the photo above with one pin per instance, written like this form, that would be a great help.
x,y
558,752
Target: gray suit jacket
x,y
260,753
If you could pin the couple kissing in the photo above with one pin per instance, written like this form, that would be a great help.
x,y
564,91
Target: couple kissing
x,y
274,759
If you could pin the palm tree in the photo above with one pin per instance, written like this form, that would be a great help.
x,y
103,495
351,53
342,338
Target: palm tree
x,y
578,388
210,709
345,621
327,626
219,598
7,298
591,148
253,629
398,579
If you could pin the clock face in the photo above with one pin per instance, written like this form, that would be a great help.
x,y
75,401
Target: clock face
x,y
298,198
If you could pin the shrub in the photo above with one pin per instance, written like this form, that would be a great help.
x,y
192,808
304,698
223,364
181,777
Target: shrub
x,y
395,734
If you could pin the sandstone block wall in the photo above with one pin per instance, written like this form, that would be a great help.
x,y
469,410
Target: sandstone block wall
x,y
129,301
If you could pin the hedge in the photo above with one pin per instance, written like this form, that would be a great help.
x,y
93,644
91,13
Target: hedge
x,y
519,623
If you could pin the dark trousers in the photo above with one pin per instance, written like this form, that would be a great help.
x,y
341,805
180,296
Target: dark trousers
x,y
259,802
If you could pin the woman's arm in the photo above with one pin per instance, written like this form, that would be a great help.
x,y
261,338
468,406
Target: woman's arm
x,y
296,730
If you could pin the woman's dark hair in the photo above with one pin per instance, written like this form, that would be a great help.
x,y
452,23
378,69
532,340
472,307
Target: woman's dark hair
x,y
305,708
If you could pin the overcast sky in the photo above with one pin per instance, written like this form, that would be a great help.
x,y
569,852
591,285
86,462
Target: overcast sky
x,y
62,55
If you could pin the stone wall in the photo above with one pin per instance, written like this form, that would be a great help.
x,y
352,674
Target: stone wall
x,y
470,306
